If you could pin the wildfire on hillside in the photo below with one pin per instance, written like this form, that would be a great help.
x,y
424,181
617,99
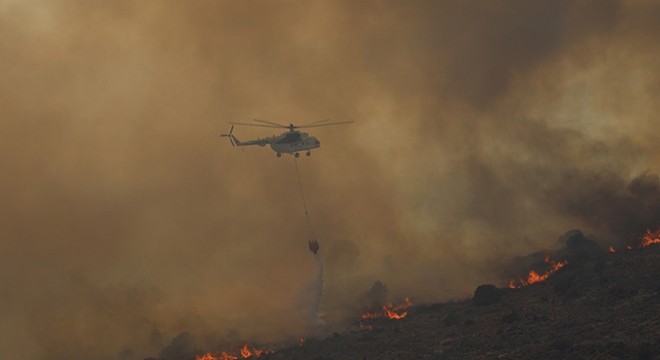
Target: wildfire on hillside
x,y
535,277
649,238
245,353
221,356
389,311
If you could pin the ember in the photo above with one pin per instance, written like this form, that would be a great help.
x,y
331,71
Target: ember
x,y
390,311
534,277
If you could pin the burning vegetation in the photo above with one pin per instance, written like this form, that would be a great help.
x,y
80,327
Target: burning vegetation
x,y
389,311
535,277
578,249
651,237
244,353
377,306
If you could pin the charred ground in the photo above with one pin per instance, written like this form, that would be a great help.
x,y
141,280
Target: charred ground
x,y
606,307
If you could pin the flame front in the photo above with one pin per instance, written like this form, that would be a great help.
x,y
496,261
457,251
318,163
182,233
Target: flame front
x,y
222,356
207,356
534,277
245,353
390,311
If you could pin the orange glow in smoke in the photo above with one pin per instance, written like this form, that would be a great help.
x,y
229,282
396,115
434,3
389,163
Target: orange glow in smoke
x,y
534,277
390,311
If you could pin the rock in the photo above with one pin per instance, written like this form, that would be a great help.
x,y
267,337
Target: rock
x,y
486,295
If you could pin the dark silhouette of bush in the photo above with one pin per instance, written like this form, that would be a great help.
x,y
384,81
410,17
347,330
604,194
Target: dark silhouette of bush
x,y
486,294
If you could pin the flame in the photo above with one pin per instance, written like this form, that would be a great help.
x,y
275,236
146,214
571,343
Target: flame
x,y
390,311
245,353
628,247
611,250
222,356
207,356
651,237
534,277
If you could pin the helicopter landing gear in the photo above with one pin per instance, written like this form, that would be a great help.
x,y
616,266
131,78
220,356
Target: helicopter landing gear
x,y
279,154
309,153
297,155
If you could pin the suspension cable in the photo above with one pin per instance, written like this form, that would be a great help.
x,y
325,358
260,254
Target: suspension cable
x,y
310,229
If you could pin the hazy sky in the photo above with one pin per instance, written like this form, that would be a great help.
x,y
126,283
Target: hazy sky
x,y
483,130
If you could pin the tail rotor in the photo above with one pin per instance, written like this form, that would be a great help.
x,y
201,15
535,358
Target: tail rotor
x,y
229,135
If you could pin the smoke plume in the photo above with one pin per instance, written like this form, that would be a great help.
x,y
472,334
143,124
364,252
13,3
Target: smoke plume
x,y
482,131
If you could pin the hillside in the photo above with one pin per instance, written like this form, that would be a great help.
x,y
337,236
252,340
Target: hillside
x,y
603,308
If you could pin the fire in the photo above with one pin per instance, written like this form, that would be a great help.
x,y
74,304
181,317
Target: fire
x,y
651,237
534,277
245,353
207,356
390,311
221,356
611,250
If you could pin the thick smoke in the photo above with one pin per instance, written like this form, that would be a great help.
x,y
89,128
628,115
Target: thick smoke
x,y
483,131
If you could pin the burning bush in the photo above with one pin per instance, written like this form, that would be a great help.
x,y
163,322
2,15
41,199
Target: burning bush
x,y
378,307
538,276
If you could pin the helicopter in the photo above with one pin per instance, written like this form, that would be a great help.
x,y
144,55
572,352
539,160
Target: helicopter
x,y
289,142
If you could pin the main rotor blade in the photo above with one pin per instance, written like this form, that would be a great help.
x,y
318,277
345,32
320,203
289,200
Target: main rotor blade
x,y
327,124
271,123
259,125
316,122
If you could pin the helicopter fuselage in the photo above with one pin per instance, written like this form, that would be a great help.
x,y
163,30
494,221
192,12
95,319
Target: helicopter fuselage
x,y
290,142
294,141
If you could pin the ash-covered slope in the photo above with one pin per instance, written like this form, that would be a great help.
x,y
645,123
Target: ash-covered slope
x,y
607,307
